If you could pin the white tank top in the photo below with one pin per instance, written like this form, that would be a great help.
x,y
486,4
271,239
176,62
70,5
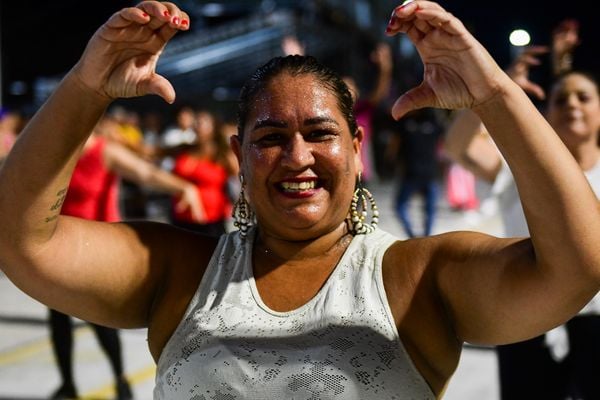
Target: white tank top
x,y
513,217
342,344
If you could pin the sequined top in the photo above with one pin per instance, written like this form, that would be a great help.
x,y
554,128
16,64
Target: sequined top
x,y
341,344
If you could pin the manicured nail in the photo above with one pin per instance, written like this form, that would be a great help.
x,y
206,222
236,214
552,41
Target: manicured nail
x,y
184,22
166,13
393,20
144,15
175,20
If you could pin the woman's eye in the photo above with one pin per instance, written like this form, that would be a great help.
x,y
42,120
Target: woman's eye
x,y
560,101
270,137
320,134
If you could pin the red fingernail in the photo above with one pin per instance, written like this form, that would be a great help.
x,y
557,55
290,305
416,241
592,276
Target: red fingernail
x,y
144,15
175,20
166,13
184,22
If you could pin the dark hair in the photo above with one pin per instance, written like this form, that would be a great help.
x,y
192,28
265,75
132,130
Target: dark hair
x,y
586,74
295,65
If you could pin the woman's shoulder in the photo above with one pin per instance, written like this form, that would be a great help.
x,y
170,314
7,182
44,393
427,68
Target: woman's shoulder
x,y
187,255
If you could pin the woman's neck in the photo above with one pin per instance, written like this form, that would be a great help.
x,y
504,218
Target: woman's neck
x,y
291,251
586,154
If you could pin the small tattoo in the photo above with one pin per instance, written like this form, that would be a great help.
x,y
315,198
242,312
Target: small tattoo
x,y
61,194
52,218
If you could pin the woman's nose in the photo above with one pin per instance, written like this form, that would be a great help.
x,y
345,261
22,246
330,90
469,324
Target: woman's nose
x,y
297,153
572,101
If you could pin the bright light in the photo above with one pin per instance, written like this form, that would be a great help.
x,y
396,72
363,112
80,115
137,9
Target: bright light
x,y
519,37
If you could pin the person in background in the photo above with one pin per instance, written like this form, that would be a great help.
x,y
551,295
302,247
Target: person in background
x,y
11,123
227,130
562,363
418,143
182,132
93,194
365,105
178,136
309,298
208,165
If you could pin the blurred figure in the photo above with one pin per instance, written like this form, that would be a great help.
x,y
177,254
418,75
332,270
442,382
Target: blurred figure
x,y
365,105
565,38
182,132
128,132
177,136
152,128
417,142
229,128
93,194
11,123
461,194
208,165
563,363
290,45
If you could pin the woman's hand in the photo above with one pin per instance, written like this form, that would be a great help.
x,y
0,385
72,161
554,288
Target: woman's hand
x,y
120,59
459,72
190,198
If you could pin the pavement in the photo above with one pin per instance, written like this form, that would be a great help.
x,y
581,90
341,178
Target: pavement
x,y
28,370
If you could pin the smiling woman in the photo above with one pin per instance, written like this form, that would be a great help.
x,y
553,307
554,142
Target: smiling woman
x,y
305,303
300,155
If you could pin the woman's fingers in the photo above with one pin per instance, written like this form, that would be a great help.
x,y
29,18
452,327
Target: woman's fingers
x,y
414,99
417,18
158,85
165,14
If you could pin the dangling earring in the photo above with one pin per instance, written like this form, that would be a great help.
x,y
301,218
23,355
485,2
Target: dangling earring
x,y
242,214
358,210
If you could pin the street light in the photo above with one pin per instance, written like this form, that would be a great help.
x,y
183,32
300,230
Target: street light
x,y
518,39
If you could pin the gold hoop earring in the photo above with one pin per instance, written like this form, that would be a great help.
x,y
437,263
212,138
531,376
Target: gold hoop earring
x,y
243,216
358,210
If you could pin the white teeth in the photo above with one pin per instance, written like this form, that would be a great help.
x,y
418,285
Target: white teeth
x,y
298,185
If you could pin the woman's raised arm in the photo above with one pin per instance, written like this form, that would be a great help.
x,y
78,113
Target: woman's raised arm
x,y
501,290
84,268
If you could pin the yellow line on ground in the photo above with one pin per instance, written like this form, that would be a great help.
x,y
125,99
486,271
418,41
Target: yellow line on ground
x,y
134,378
31,349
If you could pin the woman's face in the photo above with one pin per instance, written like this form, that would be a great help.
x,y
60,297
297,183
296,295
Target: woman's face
x,y
574,109
204,126
298,158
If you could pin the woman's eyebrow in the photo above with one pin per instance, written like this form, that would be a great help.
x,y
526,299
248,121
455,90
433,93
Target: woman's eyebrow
x,y
275,123
272,123
320,120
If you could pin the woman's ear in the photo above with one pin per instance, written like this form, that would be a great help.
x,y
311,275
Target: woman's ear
x,y
356,145
236,146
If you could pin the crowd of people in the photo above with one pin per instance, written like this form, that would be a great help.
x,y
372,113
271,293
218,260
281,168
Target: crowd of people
x,y
265,278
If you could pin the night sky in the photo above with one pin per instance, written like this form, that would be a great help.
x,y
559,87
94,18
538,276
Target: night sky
x,y
46,38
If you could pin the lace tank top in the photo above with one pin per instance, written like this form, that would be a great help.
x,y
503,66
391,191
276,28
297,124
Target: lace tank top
x,y
342,344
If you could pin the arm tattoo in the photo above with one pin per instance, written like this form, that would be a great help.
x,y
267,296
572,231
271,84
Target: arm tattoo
x,y
61,194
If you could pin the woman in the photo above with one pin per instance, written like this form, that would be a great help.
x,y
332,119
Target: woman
x,y
540,367
265,312
206,166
